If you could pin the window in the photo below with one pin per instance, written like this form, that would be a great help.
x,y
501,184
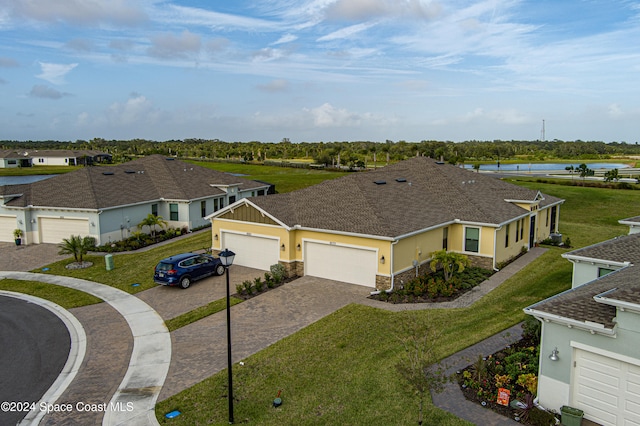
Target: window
x,y
203,208
522,230
12,161
471,239
517,231
554,210
154,209
547,221
604,271
173,212
232,199
445,238
506,237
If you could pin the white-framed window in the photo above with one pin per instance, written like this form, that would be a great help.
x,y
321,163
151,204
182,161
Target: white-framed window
x,y
472,239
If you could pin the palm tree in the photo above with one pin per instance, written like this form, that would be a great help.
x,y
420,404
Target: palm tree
x,y
451,262
152,221
77,246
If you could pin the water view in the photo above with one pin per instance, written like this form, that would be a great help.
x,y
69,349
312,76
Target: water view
x,y
16,180
544,166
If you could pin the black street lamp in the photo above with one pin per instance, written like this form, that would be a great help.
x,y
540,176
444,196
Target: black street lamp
x,y
226,257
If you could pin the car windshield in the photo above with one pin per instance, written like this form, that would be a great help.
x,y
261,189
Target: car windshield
x,y
164,266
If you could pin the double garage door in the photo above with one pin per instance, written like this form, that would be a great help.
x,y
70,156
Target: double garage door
x,y
340,263
606,389
54,230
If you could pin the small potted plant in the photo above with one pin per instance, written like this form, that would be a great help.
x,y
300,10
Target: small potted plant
x,y
17,233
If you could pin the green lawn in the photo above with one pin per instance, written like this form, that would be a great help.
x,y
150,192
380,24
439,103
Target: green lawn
x,y
66,297
136,268
37,170
285,179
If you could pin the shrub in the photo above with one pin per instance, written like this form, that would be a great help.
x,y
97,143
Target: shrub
x,y
239,288
248,286
502,380
528,381
258,284
539,417
277,272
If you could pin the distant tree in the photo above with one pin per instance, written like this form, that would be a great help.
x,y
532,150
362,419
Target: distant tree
x,y
152,221
77,246
611,175
584,171
451,262
570,169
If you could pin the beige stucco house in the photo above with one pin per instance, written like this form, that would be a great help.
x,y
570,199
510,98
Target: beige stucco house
x,y
379,228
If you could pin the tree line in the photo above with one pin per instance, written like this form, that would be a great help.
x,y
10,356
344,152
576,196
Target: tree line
x,y
353,153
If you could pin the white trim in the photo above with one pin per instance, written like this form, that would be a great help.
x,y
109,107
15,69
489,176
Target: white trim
x,y
605,353
592,327
247,202
267,225
621,304
348,234
464,239
333,243
428,229
593,260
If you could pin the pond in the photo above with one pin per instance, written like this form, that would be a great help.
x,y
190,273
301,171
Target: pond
x,y
527,167
17,180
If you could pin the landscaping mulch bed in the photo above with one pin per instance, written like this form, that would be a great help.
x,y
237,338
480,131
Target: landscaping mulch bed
x,y
245,296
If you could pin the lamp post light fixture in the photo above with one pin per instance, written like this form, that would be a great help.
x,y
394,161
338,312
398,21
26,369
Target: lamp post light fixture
x,y
226,258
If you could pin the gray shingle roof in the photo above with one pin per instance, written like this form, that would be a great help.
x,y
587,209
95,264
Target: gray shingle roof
x,y
625,248
428,195
578,303
146,179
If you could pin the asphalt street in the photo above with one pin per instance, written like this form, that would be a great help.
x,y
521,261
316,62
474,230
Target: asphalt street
x,y
34,346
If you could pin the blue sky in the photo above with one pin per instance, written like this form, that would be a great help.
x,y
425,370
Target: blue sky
x,y
320,70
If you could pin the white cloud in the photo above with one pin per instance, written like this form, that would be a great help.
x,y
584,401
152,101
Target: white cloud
x,y
55,73
137,109
169,46
120,12
367,9
347,32
287,38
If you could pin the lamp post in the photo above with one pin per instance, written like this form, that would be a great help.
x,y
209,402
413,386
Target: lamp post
x,y
226,258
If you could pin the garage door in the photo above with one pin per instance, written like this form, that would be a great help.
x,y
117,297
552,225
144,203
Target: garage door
x,y
252,250
7,225
340,263
607,390
53,230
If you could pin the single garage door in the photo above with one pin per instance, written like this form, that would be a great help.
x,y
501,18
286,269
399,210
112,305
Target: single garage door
x,y
54,230
606,389
340,263
252,250
7,225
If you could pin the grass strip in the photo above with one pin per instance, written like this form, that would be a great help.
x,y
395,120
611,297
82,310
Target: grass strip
x,y
66,297
201,312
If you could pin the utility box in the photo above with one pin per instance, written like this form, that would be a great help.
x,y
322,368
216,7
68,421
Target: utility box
x,y
571,416
108,261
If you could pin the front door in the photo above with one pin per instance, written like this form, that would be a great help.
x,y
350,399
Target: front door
x,y
532,232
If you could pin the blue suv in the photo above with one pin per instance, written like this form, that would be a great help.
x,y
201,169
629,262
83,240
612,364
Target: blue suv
x,y
183,269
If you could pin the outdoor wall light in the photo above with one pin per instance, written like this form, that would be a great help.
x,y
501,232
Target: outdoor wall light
x,y
20,221
282,247
33,221
554,354
298,247
215,237
382,260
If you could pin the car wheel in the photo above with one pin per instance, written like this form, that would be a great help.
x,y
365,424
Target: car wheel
x,y
219,269
185,282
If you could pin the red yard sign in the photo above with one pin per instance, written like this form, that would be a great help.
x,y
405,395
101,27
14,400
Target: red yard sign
x,y
503,396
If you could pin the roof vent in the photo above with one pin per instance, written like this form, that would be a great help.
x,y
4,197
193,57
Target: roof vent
x,y
129,171
107,173
440,162
380,182
401,180
170,159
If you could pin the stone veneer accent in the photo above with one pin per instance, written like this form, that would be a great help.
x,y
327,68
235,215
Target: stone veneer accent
x,y
481,262
383,283
293,269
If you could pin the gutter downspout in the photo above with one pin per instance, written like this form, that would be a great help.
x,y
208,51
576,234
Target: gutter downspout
x,y
495,247
392,262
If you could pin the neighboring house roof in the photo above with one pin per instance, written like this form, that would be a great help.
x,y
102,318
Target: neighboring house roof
x,y
621,249
146,179
631,221
65,153
7,153
593,305
417,194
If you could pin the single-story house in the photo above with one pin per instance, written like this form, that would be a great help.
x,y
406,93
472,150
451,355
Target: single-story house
x,y
107,203
67,157
378,228
590,346
11,159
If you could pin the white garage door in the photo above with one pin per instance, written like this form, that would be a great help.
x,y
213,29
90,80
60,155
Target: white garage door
x,y
53,230
340,263
607,390
252,250
7,225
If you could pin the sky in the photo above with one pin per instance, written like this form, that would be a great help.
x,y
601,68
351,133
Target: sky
x,y
320,70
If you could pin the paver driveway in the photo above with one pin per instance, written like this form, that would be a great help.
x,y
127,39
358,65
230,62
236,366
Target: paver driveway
x,y
200,350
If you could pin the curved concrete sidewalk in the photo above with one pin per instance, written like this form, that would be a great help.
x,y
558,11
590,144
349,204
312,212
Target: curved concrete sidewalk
x,y
134,401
